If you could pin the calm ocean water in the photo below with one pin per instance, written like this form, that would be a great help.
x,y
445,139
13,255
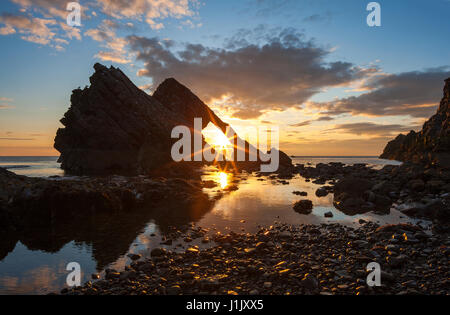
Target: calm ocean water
x,y
34,166
35,263
44,166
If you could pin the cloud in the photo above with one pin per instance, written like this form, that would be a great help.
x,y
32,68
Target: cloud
x,y
115,46
415,93
43,31
373,129
44,21
313,18
7,30
51,8
246,113
302,124
325,118
32,29
283,71
309,122
149,10
5,105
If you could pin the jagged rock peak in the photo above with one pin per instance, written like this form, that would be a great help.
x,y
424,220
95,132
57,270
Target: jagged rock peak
x,y
431,145
114,127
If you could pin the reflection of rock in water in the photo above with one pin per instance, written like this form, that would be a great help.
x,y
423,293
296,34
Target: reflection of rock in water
x,y
104,213
8,241
168,215
109,234
8,235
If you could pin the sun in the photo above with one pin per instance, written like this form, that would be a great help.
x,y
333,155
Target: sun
x,y
216,138
221,141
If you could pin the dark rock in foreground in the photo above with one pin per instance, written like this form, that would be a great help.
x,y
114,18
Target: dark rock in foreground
x,y
296,260
355,195
431,145
303,206
113,127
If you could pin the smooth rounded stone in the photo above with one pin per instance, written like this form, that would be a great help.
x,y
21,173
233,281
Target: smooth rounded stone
x,y
267,285
300,193
361,243
127,275
254,292
285,234
310,282
328,214
321,192
416,185
389,277
391,247
435,185
193,250
173,290
112,275
303,206
158,252
167,242
396,261
249,250
134,256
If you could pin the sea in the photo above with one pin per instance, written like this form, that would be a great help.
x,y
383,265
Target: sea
x,y
36,262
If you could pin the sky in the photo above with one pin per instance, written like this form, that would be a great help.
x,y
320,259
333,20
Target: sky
x,y
314,69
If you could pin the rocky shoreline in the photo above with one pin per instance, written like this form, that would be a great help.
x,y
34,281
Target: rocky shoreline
x,y
416,190
284,259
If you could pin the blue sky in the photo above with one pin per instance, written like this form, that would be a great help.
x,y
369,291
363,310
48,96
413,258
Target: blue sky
x,y
348,66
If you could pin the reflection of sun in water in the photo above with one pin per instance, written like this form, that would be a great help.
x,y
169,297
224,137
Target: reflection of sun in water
x,y
223,179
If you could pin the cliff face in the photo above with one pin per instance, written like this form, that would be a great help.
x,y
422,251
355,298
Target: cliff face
x,y
431,145
113,127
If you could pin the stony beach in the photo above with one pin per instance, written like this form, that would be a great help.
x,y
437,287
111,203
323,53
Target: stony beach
x,y
284,259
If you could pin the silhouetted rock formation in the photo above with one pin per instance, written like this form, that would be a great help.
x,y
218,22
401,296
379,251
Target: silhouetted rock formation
x,y
114,127
431,145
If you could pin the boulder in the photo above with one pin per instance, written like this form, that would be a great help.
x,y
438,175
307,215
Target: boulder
x,y
321,192
416,185
303,206
354,195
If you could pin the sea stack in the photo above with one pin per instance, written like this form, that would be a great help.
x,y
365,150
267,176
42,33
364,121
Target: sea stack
x,y
113,127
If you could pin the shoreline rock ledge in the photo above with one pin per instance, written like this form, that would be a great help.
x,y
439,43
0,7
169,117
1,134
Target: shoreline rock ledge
x,y
431,145
113,127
